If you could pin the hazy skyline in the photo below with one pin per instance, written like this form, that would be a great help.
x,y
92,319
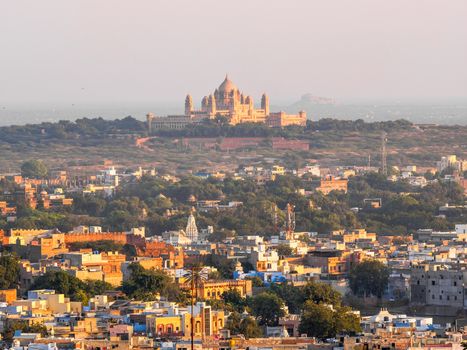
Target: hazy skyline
x,y
130,52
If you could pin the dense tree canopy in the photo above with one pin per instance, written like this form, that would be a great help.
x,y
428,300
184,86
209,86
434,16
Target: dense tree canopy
x,y
268,308
72,287
323,321
369,277
9,272
148,284
34,169
246,326
234,300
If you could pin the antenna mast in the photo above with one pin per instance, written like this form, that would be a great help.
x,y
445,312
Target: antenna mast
x,y
384,165
290,221
274,217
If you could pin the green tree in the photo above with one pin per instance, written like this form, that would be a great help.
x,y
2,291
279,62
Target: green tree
x,y
250,328
233,322
247,326
369,277
317,320
233,299
9,272
284,250
35,169
24,327
256,281
323,321
146,284
72,287
293,296
322,293
268,308
346,321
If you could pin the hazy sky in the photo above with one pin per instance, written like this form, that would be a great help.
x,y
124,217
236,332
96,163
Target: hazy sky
x,y
122,51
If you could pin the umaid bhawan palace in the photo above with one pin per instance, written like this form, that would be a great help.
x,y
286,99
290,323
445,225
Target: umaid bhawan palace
x,y
227,101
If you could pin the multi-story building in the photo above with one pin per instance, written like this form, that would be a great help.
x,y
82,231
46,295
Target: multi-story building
x,y
437,284
264,260
96,266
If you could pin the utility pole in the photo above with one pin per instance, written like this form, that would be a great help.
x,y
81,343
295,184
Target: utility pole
x,y
192,334
384,165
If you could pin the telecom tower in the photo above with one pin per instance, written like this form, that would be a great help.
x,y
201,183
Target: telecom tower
x,y
274,217
289,222
384,164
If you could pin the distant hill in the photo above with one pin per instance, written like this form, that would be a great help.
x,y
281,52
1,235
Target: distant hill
x,y
325,107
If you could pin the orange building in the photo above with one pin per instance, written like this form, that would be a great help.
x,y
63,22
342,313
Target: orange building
x,y
106,267
5,209
214,289
330,183
150,263
173,257
334,262
8,295
49,245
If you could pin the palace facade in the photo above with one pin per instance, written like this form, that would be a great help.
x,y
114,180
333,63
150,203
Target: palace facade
x,y
229,102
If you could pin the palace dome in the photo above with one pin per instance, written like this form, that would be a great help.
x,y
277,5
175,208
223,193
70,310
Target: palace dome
x,y
227,85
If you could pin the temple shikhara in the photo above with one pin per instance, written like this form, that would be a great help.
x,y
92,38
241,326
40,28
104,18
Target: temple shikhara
x,y
229,102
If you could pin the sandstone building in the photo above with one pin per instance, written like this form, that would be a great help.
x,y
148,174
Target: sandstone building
x,y
229,102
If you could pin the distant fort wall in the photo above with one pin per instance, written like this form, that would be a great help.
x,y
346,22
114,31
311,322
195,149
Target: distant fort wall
x,y
233,143
117,237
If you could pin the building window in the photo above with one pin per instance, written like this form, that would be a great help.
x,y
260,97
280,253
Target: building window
x,y
432,283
